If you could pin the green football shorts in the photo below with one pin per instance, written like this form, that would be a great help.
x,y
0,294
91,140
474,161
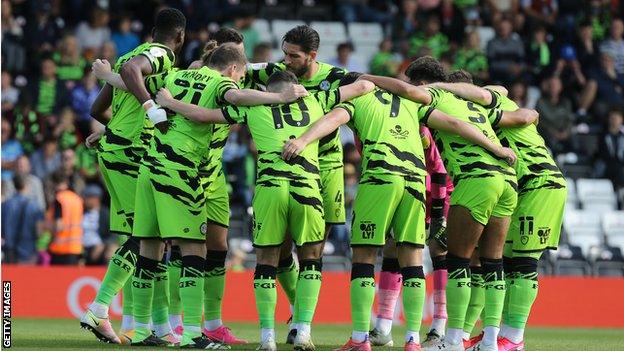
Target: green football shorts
x,y
385,202
485,197
282,205
169,204
120,169
332,191
536,222
217,201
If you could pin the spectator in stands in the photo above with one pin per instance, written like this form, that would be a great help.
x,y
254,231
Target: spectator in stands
x,y
556,116
365,11
34,186
83,97
47,159
125,40
96,239
518,93
21,217
598,15
614,44
452,21
65,130
243,23
29,125
540,12
586,47
50,94
66,214
345,58
108,51
10,94
70,65
11,151
500,8
262,53
195,46
472,59
505,54
42,32
69,170
538,54
13,52
385,62
234,154
610,156
407,21
94,33
430,37
608,85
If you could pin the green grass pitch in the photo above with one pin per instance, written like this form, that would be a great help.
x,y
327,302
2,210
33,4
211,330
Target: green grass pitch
x,y
64,334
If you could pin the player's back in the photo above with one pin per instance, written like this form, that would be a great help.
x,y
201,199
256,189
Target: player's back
x,y
326,78
186,142
388,127
534,159
462,158
271,126
129,120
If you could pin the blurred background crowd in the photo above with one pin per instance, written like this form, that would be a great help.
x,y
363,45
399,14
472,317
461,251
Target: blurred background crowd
x,y
563,58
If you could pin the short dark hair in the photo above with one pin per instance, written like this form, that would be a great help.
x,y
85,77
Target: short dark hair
x,y
459,76
59,177
304,36
279,79
169,21
225,55
19,182
227,35
425,69
346,45
349,78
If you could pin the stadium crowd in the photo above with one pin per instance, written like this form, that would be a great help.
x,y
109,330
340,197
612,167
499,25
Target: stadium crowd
x,y
563,58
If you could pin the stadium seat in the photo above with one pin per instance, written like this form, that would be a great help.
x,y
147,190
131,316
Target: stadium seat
x,y
331,33
608,261
569,260
275,9
583,229
326,53
572,199
366,53
336,263
263,28
596,191
613,228
280,27
368,34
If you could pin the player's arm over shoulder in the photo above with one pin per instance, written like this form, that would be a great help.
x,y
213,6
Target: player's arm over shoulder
x,y
401,88
193,112
518,118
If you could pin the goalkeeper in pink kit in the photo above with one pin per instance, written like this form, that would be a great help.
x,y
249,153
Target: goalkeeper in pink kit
x,y
439,187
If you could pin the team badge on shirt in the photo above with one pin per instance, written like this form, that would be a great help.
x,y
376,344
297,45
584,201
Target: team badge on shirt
x,y
324,85
398,132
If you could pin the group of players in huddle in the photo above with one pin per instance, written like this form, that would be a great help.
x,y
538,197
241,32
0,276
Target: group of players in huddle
x,y
169,196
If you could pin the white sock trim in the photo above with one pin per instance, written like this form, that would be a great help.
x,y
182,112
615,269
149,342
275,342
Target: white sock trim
x,y
213,324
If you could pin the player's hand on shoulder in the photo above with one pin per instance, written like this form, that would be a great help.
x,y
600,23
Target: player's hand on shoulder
x,y
507,154
101,68
164,97
94,139
298,91
292,148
